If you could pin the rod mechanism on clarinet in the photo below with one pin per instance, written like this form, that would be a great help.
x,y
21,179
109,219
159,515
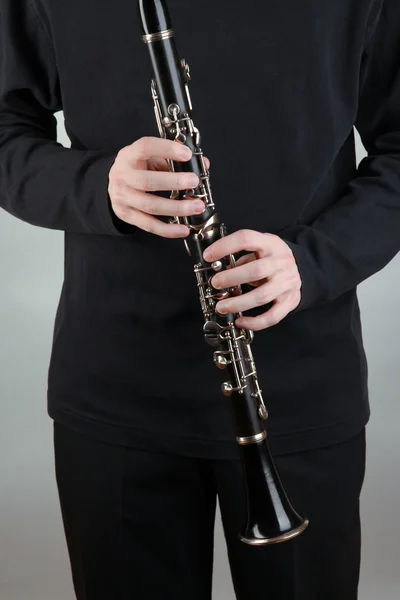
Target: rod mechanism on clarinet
x,y
270,515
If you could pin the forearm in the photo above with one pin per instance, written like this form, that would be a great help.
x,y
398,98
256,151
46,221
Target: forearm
x,y
50,186
354,239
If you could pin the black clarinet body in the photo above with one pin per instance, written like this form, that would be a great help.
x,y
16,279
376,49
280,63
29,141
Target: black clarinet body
x,y
270,516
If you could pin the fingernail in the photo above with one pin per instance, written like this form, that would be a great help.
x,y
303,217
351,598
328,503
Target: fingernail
x,y
186,153
199,206
194,180
206,254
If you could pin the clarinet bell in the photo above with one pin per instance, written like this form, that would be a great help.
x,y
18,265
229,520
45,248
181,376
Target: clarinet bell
x,y
270,516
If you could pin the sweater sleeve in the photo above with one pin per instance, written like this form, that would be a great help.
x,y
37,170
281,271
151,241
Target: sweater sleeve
x,y
42,182
360,233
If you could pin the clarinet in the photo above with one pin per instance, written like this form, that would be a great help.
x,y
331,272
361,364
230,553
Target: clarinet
x,y
270,516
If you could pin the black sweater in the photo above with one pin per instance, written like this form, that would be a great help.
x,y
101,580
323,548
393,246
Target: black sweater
x,y
276,87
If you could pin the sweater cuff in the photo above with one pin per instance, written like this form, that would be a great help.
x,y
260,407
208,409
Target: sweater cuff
x,y
112,224
308,290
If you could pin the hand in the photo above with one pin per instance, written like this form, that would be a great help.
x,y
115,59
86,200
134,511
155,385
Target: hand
x,y
141,168
270,268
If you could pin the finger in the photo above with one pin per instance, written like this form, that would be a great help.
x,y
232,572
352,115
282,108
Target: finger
x,y
251,271
157,205
271,317
264,294
243,260
152,225
158,164
244,239
149,147
161,164
152,181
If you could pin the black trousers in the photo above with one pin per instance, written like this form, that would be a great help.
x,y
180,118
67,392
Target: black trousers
x,y
139,525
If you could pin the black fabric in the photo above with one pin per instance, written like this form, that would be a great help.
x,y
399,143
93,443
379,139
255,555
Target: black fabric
x,y
277,88
139,524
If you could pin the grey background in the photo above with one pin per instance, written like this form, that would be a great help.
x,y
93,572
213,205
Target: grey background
x,y
33,557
